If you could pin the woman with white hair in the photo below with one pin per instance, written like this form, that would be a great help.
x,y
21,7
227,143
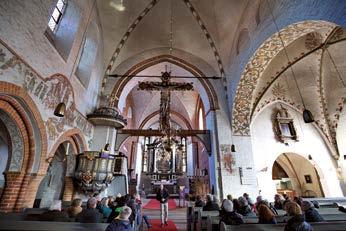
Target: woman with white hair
x,y
228,215
54,213
121,222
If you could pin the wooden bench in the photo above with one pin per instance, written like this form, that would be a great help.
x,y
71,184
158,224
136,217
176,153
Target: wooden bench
x,y
202,219
51,226
269,227
213,221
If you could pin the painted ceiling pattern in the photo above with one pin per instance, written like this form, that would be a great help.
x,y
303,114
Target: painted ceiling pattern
x,y
145,12
243,107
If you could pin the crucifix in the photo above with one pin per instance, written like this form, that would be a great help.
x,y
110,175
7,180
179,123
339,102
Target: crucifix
x,y
165,86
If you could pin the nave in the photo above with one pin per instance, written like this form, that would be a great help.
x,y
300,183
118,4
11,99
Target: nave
x,y
205,98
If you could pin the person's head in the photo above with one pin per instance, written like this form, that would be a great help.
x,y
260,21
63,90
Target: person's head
x,y
235,204
265,213
278,198
56,205
104,201
161,186
227,205
246,195
306,205
284,204
125,213
293,209
298,200
118,195
76,202
209,198
229,197
259,199
242,202
198,198
92,202
285,196
110,199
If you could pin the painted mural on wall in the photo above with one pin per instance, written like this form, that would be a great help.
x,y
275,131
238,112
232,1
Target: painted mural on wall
x,y
46,93
17,146
247,88
228,159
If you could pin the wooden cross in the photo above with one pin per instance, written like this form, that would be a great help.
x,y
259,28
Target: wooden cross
x,y
165,86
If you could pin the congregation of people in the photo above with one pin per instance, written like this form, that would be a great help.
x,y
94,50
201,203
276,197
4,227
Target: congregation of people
x,y
123,212
233,211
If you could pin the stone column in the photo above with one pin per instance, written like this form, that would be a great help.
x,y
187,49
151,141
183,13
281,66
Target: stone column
x,y
13,183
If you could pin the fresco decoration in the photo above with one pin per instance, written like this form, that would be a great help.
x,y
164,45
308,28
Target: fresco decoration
x,y
258,63
46,93
17,143
228,159
313,40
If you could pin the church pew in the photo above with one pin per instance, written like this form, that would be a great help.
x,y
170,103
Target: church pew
x,y
202,219
51,226
213,221
194,217
279,227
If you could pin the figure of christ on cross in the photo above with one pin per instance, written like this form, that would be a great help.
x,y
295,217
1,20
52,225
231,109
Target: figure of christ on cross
x,y
165,86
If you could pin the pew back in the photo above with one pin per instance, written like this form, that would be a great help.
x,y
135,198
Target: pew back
x,y
51,226
269,227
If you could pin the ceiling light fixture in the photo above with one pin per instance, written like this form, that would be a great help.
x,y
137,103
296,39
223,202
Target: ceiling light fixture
x,y
307,115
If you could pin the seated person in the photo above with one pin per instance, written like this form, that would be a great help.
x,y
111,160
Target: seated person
x,y
104,208
265,215
210,205
244,207
54,213
75,208
297,221
120,202
228,215
121,222
199,202
249,200
310,213
278,201
91,214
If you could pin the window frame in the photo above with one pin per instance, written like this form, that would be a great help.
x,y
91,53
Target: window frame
x,y
59,18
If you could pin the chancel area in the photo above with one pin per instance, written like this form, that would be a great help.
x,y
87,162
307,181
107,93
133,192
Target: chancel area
x,y
229,114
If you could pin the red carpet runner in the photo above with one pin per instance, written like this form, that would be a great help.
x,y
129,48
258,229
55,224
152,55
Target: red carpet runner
x,y
155,204
156,226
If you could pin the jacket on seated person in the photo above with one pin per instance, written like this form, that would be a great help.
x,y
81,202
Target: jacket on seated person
x,y
265,215
74,211
119,225
199,203
311,214
211,206
228,215
297,223
54,215
91,215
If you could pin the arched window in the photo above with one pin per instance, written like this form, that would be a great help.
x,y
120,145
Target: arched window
x,y
200,119
57,15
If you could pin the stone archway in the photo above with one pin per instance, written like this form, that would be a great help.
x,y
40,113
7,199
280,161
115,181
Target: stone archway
x,y
245,99
294,175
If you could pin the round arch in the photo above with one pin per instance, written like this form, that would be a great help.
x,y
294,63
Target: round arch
x,y
211,96
249,81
